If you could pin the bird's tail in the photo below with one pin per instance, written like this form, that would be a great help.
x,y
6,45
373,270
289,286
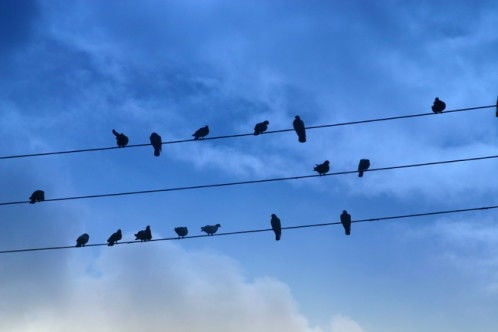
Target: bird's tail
x,y
302,138
78,245
115,132
110,243
277,236
360,173
157,152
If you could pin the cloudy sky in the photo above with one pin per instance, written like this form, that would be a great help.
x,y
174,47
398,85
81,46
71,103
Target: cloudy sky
x,y
71,71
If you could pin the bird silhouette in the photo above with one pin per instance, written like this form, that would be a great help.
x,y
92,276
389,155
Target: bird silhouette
x,y
201,132
261,127
322,168
82,240
144,235
497,107
156,142
438,106
37,196
363,165
298,125
181,231
121,139
276,226
115,237
346,222
210,229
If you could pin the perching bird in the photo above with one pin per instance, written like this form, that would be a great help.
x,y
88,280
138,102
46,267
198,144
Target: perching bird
x,y
497,107
298,125
322,168
156,142
37,196
181,231
201,132
276,226
144,235
438,106
115,237
82,240
121,139
363,165
346,222
261,127
210,229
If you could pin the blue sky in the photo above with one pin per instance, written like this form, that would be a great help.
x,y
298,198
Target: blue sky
x,y
73,70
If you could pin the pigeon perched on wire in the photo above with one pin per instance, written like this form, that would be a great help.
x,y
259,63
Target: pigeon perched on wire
x,y
261,127
144,235
363,165
276,226
115,237
298,125
346,222
156,142
201,132
438,106
121,139
37,196
82,240
322,168
210,229
181,231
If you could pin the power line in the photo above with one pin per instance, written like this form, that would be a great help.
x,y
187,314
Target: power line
x,y
244,134
227,184
405,216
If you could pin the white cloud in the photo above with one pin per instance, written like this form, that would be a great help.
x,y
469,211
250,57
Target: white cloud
x,y
341,323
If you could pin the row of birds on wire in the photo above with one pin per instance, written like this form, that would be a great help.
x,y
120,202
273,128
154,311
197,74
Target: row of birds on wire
x,y
182,231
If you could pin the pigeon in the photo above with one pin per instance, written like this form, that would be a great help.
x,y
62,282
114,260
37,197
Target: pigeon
x,y
115,237
181,231
210,229
261,127
298,125
276,226
363,165
144,235
322,168
121,139
37,196
82,240
201,132
438,106
346,222
156,142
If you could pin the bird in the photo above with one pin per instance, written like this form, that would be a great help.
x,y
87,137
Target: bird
x,y
121,139
497,107
210,229
322,168
201,132
115,237
261,127
363,165
298,125
156,142
276,226
37,196
346,222
181,231
438,106
144,235
82,240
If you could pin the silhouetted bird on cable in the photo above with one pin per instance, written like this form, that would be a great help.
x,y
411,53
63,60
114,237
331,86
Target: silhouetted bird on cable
x,y
115,237
438,106
261,127
346,222
322,168
497,107
181,231
37,196
276,226
82,240
201,132
144,235
210,229
121,139
156,142
363,165
298,125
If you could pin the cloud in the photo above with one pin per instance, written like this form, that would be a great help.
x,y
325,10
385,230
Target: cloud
x,y
341,323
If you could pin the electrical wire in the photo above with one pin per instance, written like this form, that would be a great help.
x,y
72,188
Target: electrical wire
x,y
405,216
245,134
